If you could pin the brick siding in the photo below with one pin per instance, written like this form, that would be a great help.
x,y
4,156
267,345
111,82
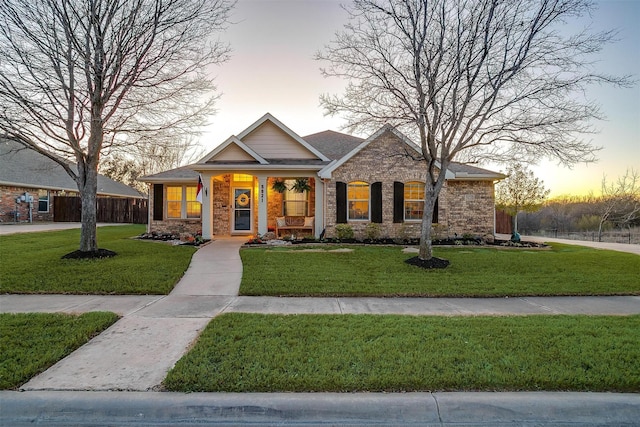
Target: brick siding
x,y
463,206
8,205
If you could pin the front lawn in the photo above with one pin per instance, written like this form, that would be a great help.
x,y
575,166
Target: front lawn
x,y
31,343
474,272
31,263
348,353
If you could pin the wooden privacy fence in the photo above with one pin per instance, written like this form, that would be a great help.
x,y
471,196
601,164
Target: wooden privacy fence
x,y
116,210
504,222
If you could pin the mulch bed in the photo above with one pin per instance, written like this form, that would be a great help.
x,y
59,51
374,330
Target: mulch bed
x,y
100,253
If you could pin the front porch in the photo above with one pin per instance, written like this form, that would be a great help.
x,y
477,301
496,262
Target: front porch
x,y
250,203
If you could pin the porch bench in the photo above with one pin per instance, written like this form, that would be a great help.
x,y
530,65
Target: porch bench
x,y
306,223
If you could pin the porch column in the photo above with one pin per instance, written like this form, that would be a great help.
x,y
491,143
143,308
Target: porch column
x,y
319,213
262,204
207,211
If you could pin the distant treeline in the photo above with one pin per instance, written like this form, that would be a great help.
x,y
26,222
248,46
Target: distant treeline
x,y
571,214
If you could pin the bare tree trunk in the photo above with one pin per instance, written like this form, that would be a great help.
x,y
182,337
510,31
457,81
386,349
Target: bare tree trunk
x,y
88,190
426,250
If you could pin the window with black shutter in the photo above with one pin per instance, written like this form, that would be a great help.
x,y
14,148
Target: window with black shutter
x,y
398,202
341,202
376,202
158,202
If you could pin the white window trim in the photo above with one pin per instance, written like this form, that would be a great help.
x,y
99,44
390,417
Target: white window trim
x,y
183,204
404,204
289,191
368,219
48,201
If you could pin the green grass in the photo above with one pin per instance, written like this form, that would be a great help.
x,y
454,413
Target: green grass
x,y
31,263
474,272
347,353
31,343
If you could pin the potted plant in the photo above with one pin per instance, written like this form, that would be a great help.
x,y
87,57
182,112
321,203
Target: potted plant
x,y
279,186
301,185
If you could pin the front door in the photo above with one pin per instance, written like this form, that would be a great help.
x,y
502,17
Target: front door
x,y
242,210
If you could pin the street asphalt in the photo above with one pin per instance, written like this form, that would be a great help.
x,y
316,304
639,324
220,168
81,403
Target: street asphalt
x,y
111,380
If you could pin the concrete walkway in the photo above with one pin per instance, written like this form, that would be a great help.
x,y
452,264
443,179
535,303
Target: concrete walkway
x,y
35,227
136,352
619,247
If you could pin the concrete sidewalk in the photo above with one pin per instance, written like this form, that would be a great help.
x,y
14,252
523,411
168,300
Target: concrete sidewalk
x,y
178,305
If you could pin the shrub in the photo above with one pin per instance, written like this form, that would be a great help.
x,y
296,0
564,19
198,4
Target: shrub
x,y
344,231
372,231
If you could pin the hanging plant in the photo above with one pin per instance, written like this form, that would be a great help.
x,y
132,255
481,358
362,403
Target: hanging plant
x,y
301,185
279,186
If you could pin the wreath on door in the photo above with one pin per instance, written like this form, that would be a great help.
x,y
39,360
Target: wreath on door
x,y
242,200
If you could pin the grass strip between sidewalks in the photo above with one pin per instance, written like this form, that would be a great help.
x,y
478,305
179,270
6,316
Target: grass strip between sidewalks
x,y
30,343
474,272
33,264
347,353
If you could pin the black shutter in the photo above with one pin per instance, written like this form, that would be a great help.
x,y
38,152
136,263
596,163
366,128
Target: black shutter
x,y
398,202
341,203
435,212
158,202
376,202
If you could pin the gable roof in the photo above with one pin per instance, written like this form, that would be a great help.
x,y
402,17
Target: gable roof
x,y
333,149
246,149
326,171
334,145
229,144
23,167
455,171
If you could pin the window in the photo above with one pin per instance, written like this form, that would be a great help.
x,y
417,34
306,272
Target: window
x,y
193,206
358,201
241,177
182,203
294,203
174,202
413,201
43,201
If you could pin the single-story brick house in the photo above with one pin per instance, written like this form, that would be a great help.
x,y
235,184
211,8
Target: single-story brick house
x,y
26,174
249,187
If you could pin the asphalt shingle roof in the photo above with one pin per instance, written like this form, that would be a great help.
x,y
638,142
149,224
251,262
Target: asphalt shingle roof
x,y
21,166
334,145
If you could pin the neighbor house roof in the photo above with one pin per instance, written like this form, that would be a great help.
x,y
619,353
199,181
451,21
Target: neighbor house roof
x,y
23,167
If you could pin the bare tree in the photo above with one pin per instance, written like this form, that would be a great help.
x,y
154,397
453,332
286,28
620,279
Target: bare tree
x,y
78,77
147,157
491,79
521,191
620,201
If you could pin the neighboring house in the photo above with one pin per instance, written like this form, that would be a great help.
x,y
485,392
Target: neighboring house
x,y
351,180
26,174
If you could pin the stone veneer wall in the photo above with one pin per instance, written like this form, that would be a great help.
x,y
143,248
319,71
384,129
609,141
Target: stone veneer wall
x,y
173,226
221,194
385,160
8,205
471,208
